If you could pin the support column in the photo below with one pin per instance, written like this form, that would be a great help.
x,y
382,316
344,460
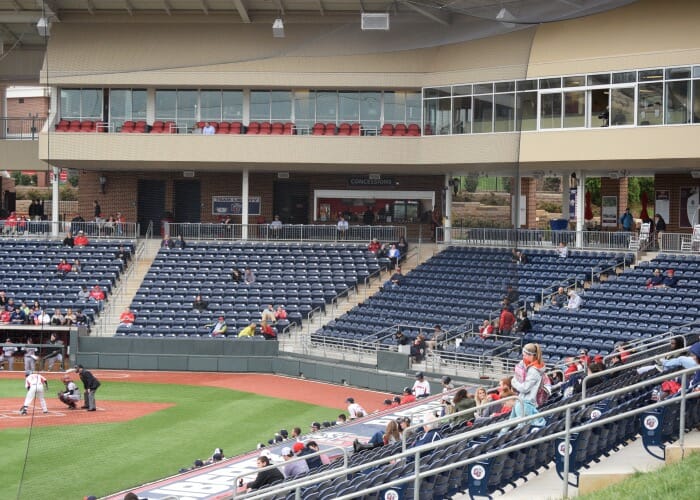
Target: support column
x,y
447,220
528,187
580,207
3,111
244,203
516,191
618,188
565,186
54,202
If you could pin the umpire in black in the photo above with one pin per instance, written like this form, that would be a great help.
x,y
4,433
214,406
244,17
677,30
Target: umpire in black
x,y
90,384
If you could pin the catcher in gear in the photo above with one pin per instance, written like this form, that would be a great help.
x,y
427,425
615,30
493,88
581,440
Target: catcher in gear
x,y
71,394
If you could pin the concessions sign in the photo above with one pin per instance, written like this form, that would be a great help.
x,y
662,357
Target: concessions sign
x,y
371,181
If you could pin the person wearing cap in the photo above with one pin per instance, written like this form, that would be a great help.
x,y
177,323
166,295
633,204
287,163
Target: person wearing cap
x,y
690,361
354,409
90,384
408,396
447,384
81,240
670,280
35,385
295,467
70,395
219,328
656,280
421,387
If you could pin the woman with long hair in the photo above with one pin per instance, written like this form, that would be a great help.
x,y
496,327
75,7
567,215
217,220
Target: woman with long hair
x,y
526,381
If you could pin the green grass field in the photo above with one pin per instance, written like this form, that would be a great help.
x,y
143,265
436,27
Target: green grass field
x,y
71,461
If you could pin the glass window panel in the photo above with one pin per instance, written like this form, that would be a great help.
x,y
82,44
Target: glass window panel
x,y
166,104
550,115
696,71
326,106
625,77
70,104
677,99
394,107
119,104
483,88
526,111
371,109
649,99
281,105
483,114
651,75
304,107
526,85
696,101
210,105
462,90
574,109
260,105
622,107
599,108
430,113
574,81
504,110
505,86
413,107
676,73
436,92
461,115
600,79
349,107
139,103
550,83
187,108
232,105
91,104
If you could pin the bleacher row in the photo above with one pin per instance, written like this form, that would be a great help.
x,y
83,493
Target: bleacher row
x,y
28,271
461,285
301,277
237,128
508,469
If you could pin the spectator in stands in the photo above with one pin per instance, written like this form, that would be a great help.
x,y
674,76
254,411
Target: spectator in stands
x,y
430,435
315,426
119,220
80,318
519,257
396,401
390,435
248,331
689,361
462,402
77,267
437,338
63,268
68,241
526,381
400,338
84,293
506,321
219,328
394,255
18,317
659,228
109,226
446,382
5,316
58,319
374,246
208,129
293,468
626,220
96,210
199,304
311,448
267,331
418,348
10,225
486,329
482,398
249,276
97,296
562,250
280,313
656,280
123,254
396,278
523,324
180,242
81,240
354,409
127,318
402,245
421,387
167,242
512,295
408,396
69,317
575,301
268,315
236,275
3,299
670,280
276,226
264,477
341,419
559,299
342,227
368,217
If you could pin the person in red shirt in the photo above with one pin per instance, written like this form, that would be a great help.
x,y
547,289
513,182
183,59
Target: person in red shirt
x,y
81,240
5,316
407,396
374,246
126,318
280,313
486,329
267,331
11,223
63,267
96,293
506,321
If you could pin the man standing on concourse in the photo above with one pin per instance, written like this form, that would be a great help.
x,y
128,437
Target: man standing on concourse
x,y
90,384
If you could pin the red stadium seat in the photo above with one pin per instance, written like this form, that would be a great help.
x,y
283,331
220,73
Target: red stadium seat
x,y
427,130
253,128
355,129
62,126
74,126
344,129
288,128
413,129
236,128
400,129
277,129
318,129
330,129
265,128
387,129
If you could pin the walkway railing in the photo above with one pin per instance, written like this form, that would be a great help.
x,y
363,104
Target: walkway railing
x,y
21,128
285,232
45,229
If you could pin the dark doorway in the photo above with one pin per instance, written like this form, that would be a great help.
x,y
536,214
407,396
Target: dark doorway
x,y
151,204
187,202
291,202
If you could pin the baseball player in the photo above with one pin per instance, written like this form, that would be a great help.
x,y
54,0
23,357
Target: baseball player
x,y
8,354
35,385
54,353
71,394
30,356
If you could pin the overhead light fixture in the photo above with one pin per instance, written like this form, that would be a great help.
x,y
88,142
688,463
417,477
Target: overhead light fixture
x,y
43,26
374,21
278,28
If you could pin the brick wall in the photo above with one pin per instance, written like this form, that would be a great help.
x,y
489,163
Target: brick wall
x,y
674,183
29,107
615,187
